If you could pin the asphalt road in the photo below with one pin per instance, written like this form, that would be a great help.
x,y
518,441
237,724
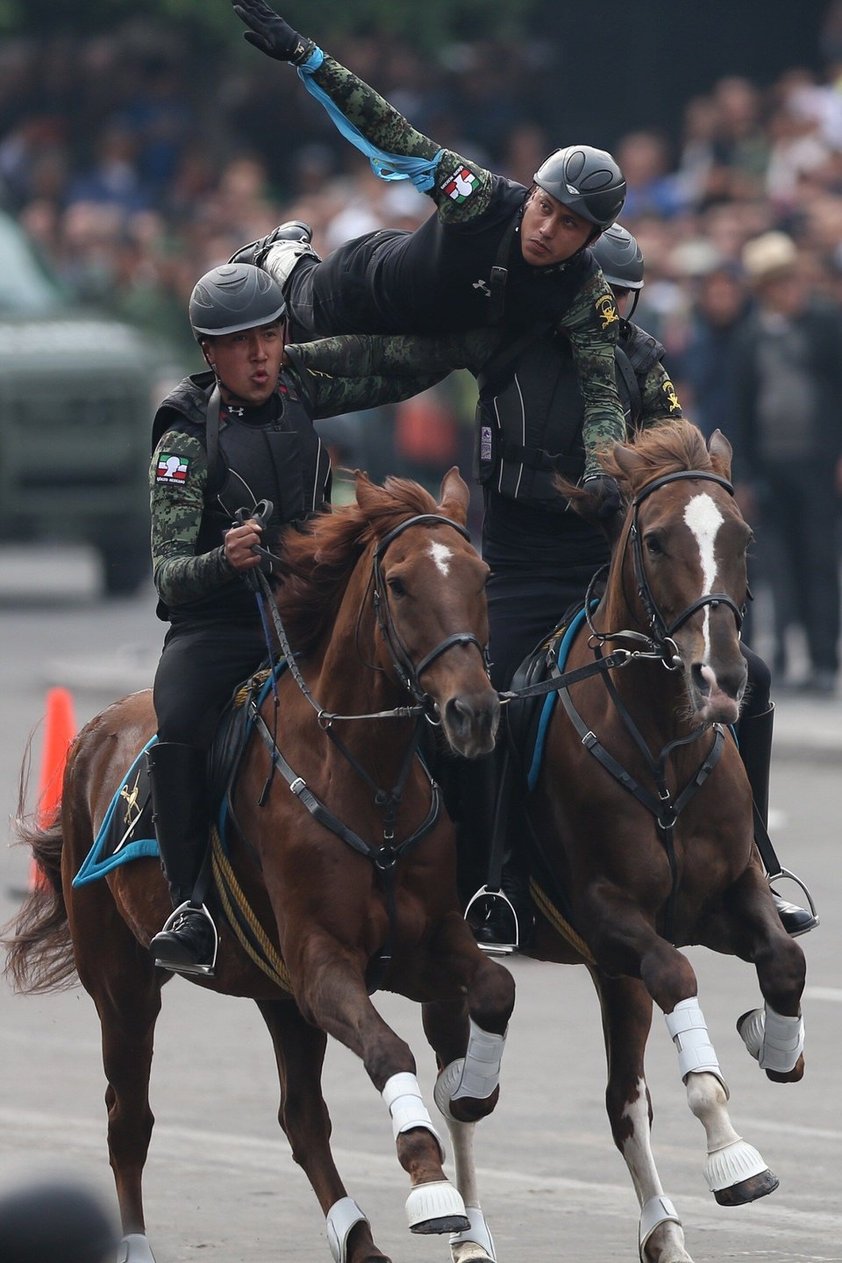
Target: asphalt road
x,y
221,1186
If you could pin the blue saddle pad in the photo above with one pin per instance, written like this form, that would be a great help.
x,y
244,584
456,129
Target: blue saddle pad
x,y
127,832
562,649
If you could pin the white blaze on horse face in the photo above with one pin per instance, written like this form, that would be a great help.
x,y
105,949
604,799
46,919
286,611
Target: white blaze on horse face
x,y
704,520
441,555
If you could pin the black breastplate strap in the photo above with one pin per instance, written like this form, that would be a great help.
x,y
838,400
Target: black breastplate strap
x,y
664,806
384,858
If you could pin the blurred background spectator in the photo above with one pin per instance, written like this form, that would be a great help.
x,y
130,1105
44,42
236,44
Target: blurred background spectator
x,y
141,154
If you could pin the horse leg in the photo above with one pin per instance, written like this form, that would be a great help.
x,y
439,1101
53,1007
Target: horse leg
x,y
303,1115
773,1035
467,1035
735,1171
121,979
626,1020
332,995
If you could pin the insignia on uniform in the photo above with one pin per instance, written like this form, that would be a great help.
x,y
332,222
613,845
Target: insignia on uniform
x,y
606,309
460,185
132,812
171,468
671,395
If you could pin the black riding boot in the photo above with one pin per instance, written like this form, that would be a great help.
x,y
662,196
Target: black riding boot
x,y
500,913
188,941
755,736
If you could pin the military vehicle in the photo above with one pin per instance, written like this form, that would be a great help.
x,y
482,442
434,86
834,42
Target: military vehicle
x,y
77,395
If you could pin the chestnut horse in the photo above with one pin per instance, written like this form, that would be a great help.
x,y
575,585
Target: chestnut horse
x,y
352,875
641,815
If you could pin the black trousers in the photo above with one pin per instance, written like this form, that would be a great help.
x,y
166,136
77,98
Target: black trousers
x,y
335,295
201,665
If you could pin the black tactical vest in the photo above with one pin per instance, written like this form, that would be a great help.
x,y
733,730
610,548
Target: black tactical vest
x,y
282,460
530,413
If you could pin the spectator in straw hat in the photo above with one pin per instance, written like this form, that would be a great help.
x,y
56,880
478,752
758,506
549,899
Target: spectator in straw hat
x,y
788,383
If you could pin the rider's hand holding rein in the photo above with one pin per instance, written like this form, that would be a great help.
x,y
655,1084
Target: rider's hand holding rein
x,y
240,545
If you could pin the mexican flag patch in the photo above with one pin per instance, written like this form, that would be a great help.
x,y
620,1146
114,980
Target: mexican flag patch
x,y
171,468
460,185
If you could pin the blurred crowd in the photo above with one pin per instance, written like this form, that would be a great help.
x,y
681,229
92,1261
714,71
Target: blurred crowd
x,y
132,173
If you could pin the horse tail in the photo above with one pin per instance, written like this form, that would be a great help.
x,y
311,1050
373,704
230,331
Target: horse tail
x,y
39,950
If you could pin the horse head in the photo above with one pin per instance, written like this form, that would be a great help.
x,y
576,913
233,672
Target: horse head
x,y
429,594
680,561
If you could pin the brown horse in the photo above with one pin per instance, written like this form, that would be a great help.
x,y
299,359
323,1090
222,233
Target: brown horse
x,y
384,603
642,815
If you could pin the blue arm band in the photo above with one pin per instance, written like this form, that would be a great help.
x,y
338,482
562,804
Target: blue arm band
x,y
388,166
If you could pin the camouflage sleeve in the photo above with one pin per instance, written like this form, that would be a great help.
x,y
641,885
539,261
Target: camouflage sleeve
x,y
658,398
461,190
592,324
177,480
390,355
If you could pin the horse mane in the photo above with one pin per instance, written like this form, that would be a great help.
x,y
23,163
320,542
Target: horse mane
x,y
667,447
317,561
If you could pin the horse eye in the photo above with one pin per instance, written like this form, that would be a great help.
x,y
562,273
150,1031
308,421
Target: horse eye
x,y
396,587
653,546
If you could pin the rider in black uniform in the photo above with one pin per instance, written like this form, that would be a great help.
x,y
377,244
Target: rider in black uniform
x,y
495,256
224,440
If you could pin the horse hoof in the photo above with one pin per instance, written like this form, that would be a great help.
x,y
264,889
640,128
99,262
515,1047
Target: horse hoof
x,y
436,1207
747,1190
737,1174
135,1248
750,1028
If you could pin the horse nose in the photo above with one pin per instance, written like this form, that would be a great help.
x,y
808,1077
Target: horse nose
x,y
471,722
729,680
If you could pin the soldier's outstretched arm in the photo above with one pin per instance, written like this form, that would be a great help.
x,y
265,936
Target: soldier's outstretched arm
x,y
461,189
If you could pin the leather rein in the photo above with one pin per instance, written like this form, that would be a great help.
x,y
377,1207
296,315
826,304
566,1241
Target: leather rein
x,y
660,646
384,856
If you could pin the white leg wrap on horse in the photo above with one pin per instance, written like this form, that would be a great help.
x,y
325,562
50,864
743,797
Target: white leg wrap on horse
x,y
341,1218
402,1095
688,1031
475,1244
774,1040
732,1164
481,1071
135,1248
656,1211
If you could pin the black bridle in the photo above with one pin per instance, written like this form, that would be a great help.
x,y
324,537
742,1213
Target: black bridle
x,y
661,630
384,856
664,805
410,673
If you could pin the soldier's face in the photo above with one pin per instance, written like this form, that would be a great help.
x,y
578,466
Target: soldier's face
x,y
549,231
248,363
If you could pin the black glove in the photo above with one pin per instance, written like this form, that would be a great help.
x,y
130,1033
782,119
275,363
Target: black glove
x,y
606,493
270,33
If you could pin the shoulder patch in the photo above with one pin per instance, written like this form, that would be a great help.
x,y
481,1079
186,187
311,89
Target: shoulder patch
x,y
606,309
172,468
670,394
459,186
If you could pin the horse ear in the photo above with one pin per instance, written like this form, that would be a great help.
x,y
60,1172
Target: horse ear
x,y
628,459
365,489
454,496
720,453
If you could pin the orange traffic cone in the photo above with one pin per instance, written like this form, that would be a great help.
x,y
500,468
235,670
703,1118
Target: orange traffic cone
x,y
59,731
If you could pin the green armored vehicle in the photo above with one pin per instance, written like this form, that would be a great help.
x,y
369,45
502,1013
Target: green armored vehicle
x,y
77,394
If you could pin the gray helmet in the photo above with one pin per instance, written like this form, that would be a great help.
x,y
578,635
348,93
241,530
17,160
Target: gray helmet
x,y
585,179
234,297
620,258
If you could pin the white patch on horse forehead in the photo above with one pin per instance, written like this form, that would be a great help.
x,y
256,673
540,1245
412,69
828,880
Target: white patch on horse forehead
x,y
704,519
441,555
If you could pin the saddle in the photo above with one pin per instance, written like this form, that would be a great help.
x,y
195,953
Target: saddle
x,y
127,831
